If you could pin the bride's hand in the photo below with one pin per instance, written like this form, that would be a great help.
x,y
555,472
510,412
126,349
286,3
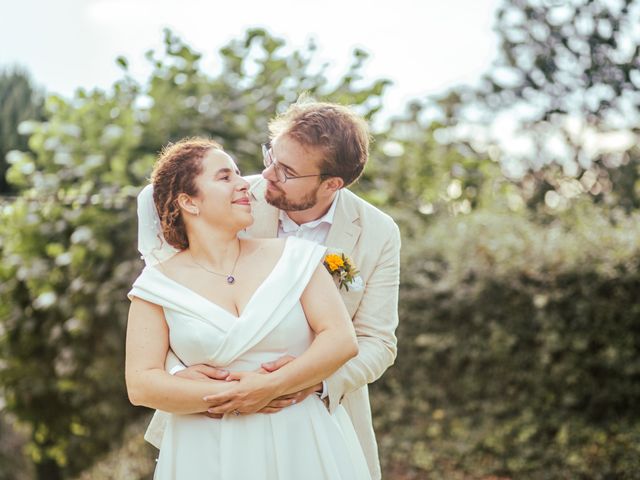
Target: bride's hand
x,y
252,392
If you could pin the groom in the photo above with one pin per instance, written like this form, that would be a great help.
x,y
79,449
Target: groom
x,y
316,151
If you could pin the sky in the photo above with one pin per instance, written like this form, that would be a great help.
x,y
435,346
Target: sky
x,y
424,46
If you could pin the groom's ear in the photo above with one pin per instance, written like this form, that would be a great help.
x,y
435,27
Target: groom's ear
x,y
185,202
334,183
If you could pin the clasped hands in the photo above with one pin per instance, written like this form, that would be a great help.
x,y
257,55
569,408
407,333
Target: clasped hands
x,y
251,392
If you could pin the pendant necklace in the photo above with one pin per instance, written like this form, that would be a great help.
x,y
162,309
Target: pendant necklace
x,y
230,278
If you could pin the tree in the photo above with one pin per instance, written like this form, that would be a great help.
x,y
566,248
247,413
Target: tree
x,y
18,102
568,77
421,178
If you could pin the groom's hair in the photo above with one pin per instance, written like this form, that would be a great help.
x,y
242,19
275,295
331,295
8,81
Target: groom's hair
x,y
175,172
341,134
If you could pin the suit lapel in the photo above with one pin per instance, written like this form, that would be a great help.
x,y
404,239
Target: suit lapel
x,y
343,235
345,231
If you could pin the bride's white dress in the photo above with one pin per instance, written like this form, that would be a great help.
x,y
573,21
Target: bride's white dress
x,y
302,441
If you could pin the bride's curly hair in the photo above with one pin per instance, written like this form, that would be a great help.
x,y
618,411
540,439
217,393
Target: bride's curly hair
x,y
174,173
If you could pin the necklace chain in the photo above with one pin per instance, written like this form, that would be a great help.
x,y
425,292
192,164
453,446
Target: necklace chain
x,y
230,277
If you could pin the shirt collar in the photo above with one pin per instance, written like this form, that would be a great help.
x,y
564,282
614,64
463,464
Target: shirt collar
x,y
289,225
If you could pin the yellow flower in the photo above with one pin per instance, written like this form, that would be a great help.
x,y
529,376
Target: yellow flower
x,y
341,269
334,262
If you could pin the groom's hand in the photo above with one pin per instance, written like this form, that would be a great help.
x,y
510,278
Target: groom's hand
x,y
202,372
277,364
287,400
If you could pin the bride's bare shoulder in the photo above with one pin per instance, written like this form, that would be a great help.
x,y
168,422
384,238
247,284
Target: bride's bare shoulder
x,y
267,247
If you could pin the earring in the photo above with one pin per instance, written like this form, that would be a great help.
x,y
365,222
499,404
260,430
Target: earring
x,y
197,212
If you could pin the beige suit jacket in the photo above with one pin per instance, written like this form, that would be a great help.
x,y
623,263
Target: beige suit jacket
x,y
372,240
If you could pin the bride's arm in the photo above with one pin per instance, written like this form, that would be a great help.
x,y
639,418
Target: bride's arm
x,y
335,343
148,383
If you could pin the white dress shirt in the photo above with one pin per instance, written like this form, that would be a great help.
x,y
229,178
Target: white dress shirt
x,y
316,230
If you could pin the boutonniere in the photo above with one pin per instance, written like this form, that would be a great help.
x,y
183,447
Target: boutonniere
x,y
343,270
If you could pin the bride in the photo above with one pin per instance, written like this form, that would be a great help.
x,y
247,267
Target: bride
x,y
215,298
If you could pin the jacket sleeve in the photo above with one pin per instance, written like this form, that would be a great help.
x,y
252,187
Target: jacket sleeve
x,y
375,323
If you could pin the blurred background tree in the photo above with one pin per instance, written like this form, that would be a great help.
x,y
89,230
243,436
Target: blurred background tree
x,y
519,341
19,101
565,89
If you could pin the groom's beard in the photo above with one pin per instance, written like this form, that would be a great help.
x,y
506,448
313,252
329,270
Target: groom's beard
x,y
280,200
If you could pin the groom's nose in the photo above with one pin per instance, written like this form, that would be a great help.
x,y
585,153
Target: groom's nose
x,y
269,173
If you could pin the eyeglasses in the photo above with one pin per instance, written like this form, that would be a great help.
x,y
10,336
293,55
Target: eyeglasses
x,y
281,175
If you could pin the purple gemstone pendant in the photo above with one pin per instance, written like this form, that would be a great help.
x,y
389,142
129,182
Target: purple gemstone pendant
x,y
230,279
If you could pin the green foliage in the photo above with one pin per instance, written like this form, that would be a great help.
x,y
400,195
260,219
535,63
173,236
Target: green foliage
x,y
68,241
519,349
67,253
258,80
411,171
